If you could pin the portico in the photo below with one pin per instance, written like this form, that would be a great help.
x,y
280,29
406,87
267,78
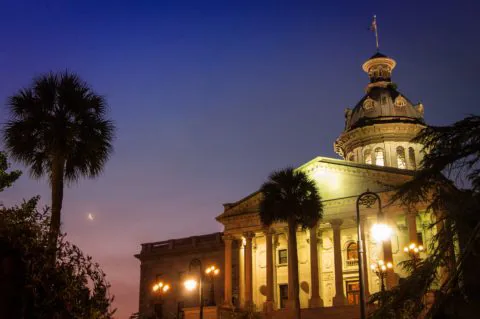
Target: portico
x,y
327,253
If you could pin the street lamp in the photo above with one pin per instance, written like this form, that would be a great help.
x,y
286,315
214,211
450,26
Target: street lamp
x,y
379,231
191,284
380,269
414,252
211,272
159,288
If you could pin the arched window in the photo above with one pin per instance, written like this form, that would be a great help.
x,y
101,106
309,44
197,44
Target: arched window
x,y
379,157
352,254
401,162
411,158
351,158
367,156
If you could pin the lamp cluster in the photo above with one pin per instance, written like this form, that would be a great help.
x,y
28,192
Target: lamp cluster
x,y
413,249
161,287
212,271
381,267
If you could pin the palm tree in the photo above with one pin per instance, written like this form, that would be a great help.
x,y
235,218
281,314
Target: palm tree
x,y
58,128
291,196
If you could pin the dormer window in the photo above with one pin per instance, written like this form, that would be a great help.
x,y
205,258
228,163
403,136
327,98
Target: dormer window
x,y
368,104
400,101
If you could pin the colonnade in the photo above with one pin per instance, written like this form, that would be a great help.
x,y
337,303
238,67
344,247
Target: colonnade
x,y
315,300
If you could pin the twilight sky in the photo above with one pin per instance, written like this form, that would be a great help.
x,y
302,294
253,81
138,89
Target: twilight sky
x,y
209,97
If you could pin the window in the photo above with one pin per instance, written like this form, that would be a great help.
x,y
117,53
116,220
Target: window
x,y
379,157
368,157
401,163
282,257
351,158
352,254
420,238
283,295
411,158
353,292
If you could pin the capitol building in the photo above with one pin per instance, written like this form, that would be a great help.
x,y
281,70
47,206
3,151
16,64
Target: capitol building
x,y
376,153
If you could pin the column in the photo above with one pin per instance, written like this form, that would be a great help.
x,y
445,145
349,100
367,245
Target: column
x,y
339,298
248,270
269,304
412,226
315,300
228,240
366,266
391,280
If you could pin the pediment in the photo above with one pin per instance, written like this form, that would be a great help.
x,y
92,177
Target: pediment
x,y
336,179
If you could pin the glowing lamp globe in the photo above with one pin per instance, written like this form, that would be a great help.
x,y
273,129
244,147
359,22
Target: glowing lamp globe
x,y
190,284
381,232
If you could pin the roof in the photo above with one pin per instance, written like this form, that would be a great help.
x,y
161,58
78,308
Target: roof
x,y
380,104
335,179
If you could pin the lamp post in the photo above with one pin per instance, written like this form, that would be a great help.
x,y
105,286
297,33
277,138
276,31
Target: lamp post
x,y
380,232
191,284
160,288
380,269
211,272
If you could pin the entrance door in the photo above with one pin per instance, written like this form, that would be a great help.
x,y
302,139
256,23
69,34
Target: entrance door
x,y
353,292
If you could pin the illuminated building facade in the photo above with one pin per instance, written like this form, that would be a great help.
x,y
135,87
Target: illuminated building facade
x,y
377,153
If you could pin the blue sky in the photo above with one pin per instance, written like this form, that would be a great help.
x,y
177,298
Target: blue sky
x,y
209,97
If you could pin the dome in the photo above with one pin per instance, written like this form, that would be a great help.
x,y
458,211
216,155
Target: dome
x,y
383,105
382,102
379,129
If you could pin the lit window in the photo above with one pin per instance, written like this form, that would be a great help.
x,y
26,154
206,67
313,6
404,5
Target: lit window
x,y
379,157
282,257
401,163
411,158
352,254
353,292
368,157
352,251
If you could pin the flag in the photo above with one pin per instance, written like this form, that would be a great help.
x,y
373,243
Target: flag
x,y
373,27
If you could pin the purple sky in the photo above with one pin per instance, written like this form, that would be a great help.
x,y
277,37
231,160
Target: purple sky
x,y
209,97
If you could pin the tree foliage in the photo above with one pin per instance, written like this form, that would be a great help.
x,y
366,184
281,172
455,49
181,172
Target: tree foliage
x,y
34,288
58,128
450,182
6,178
291,196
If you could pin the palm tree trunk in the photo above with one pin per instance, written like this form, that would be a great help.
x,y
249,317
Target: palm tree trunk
x,y
293,291
57,199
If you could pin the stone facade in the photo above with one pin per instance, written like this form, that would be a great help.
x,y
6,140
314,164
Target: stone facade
x,y
168,261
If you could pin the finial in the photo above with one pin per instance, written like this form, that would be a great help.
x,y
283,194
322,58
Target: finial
x,y
374,28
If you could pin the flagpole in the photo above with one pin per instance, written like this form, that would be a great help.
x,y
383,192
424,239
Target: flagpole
x,y
376,31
